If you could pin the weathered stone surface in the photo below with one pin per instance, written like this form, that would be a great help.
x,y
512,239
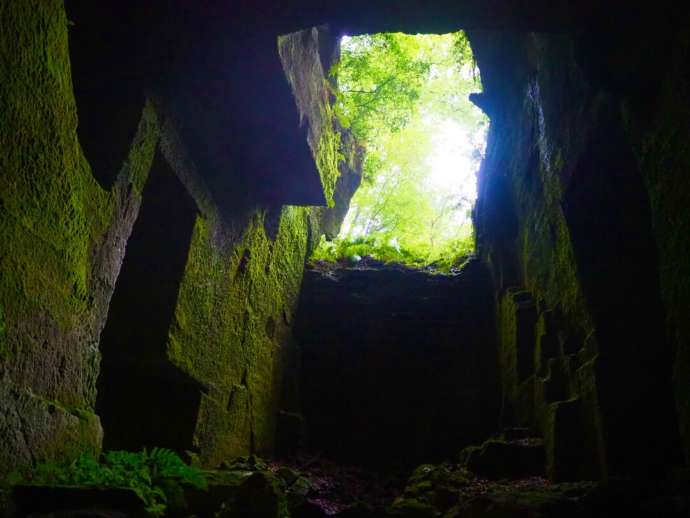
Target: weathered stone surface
x,y
431,489
63,241
453,492
307,57
327,220
518,317
563,209
566,451
38,430
657,130
583,203
213,371
397,365
210,324
499,459
206,356
248,487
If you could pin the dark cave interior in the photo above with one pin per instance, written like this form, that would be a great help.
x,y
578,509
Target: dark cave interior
x,y
170,166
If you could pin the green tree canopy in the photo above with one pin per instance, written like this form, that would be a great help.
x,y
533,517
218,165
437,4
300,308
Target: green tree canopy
x,y
397,92
380,78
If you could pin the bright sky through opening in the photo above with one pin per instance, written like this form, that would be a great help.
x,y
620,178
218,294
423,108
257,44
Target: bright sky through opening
x,y
453,162
406,99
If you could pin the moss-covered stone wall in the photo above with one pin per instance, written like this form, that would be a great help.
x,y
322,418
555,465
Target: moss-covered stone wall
x,y
306,64
582,218
231,326
564,220
660,135
397,366
545,328
63,238
231,330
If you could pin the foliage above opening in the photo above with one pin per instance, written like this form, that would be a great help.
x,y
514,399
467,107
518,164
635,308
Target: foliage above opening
x,y
406,99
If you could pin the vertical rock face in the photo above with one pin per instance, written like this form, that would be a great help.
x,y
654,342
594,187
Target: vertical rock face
x,y
662,144
203,292
307,71
582,220
63,241
398,366
229,338
565,223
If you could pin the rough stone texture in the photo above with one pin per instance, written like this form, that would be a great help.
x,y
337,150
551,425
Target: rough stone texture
x,y
659,132
197,335
133,342
499,459
583,204
327,220
63,240
447,491
307,57
563,220
238,116
397,365
518,316
232,322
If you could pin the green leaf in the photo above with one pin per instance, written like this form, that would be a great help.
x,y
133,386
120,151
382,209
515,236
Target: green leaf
x,y
394,91
147,474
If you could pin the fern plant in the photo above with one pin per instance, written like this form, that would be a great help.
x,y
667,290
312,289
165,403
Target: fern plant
x,y
157,477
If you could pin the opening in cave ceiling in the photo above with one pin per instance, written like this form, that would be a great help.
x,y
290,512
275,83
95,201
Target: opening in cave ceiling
x,y
406,99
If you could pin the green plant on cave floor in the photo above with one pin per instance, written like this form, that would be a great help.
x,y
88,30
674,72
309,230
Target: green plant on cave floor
x,y
157,477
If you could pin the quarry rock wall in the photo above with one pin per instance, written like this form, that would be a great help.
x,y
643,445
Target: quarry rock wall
x,y
662,146
398,366
144,142
63,240
190,352
568,219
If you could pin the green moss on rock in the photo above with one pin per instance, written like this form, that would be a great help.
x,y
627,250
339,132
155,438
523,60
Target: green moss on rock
x,y
38,430
44,199
135,170
4,353
328,158
230,328
664,155
300,53
55,223
498,459
517,321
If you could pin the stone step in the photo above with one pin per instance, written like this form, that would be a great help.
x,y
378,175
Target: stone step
x,y
498,459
